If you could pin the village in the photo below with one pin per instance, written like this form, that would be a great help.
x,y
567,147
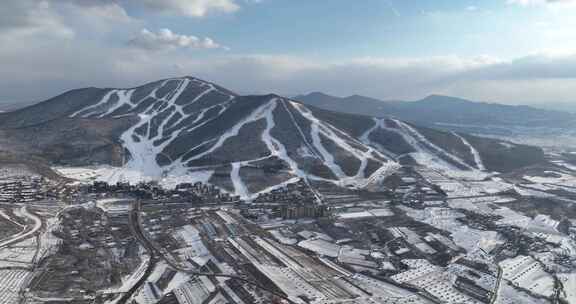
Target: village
x,y
426,238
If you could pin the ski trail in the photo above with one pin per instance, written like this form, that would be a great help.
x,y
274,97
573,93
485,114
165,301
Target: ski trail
x,y
361,173
123,99
475,153
162,119
103,101
379,175
142,149
315,132
200,117
326,156
209,90
423,154
239,185
386,169
145,149
310,148
275,147
329,131
362,156
254,116
365,138
279,150
321,128
420,140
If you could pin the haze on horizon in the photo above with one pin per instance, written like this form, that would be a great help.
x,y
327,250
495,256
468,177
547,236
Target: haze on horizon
x,y
508,51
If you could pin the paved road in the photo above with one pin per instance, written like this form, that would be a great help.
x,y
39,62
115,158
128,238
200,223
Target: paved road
x,y
27,232
497,288
135,228
473,196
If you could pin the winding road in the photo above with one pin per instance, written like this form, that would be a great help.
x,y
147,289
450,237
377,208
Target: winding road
x,y
28,231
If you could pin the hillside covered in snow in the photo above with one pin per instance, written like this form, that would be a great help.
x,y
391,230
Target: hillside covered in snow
x,y
187,129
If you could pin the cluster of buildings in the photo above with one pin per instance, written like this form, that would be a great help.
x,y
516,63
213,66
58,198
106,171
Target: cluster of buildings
x,y
192,193
292,193
302,243
23,189
292,201
313,270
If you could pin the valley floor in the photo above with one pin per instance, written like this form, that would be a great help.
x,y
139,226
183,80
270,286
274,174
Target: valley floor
x,y
423,235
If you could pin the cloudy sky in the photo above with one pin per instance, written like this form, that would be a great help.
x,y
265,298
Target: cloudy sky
x,y
512,51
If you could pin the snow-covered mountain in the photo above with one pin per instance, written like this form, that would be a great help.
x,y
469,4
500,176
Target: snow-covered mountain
x,y
186,129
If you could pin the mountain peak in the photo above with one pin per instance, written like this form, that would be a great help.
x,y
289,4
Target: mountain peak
x,y
316,94
362,98
444,99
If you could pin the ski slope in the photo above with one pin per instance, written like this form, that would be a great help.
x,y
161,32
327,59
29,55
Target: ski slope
x,y
425,152
204,114
473,151
165,113
277,149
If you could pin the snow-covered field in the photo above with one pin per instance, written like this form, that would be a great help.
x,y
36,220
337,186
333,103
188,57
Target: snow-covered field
x,y
11,281
459,188
366,213
463,236
434,280
555,180
14,171
113,175
527,273
569,282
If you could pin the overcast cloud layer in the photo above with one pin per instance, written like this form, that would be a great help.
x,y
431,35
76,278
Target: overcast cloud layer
x,y
52,46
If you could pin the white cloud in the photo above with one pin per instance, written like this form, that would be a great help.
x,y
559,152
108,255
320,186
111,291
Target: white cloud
x,y
116,9
57,19
540,2
110,11
30,17
480,78
166,39
39,60
104,18
190,8
35,75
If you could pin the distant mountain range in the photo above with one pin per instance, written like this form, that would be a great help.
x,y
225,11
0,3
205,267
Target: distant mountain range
x,y
569,107
195,130
13,106
453,114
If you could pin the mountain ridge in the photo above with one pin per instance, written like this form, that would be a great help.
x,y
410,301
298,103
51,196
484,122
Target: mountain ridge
x,y
187,129
452,113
